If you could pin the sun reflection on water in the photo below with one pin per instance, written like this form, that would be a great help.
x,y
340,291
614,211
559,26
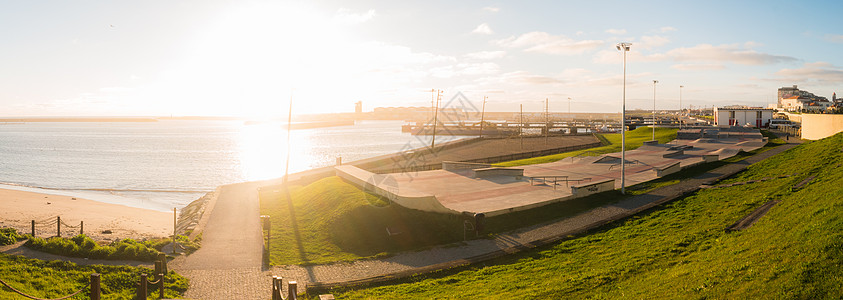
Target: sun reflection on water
x,y
263,150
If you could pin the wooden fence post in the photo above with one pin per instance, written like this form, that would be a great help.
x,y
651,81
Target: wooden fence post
x,y
33,228
58,226
163,258
291,290
142,288
81,227
158,269
95,286
276,295
160,285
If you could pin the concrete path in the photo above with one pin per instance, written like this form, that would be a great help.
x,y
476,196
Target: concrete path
x,y
477,250
229,263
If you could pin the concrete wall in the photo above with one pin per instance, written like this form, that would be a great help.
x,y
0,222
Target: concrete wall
x,y
458,165
385,186
487,172
582,190
667,170
815,126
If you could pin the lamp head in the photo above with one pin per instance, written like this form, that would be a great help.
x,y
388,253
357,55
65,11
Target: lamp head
x,y
623,46
655,81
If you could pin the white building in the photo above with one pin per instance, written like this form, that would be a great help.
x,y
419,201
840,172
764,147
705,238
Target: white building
x,y
797,103
742,115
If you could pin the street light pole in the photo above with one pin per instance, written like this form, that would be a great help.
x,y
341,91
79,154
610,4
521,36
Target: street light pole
x,y
654,108
680,106
482,115
623,47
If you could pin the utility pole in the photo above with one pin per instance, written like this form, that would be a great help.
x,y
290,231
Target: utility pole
x,y
680,106
654,108
482,115
521,127
546,121
435,118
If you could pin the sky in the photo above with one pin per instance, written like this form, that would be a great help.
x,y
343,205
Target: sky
x,y
249,58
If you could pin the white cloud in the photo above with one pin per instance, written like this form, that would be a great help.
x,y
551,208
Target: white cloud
x,y
491,9
836,38
731,53
485,55
465,69
726,53
520,77
667,29
822,72
698,67
483,29
544,42
650,42
616,31
346,16
116,89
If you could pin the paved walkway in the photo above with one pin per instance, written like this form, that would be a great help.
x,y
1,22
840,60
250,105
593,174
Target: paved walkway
x,y
477,250
229,264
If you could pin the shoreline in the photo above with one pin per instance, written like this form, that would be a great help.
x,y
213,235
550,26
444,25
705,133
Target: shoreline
x,y
20,207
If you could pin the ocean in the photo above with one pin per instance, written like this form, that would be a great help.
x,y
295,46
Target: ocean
x,y
166,164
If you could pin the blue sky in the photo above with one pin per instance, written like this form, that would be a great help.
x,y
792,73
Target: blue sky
x,y
245,58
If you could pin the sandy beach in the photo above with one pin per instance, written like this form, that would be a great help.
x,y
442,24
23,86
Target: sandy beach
x,y
20,207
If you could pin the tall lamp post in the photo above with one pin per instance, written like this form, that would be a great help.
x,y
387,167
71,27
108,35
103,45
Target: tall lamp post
x,y
680,106
482,115
654,108
623,47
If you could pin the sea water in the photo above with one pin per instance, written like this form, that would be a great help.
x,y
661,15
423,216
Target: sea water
x,y
166,164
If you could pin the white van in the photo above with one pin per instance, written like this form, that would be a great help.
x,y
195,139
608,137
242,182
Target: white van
x,y
781,123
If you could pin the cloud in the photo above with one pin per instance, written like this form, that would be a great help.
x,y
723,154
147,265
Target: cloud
x,y
726,53
650,42
698,67
544,42
720,54
346,16
835,38
116,89
667,29
520,77
822,72
491,9
465,69
483,29
485,55
616,31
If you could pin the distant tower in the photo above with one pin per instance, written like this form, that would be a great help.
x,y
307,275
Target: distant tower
x,y
358,107
834,97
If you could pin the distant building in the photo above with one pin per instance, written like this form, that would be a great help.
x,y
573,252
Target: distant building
x,y
742,115
799,98
358,107
797,103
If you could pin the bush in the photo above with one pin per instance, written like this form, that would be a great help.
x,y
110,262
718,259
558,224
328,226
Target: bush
x,y
9,236
84,246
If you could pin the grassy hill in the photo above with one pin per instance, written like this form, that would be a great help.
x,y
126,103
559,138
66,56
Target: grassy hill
x,y
681,250
336,221
53,279
634,139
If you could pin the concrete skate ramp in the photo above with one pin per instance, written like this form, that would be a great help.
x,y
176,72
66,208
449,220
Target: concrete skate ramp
x,y
386,186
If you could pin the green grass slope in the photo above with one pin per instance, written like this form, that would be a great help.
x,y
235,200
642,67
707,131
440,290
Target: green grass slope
x,y
634,139
53,279
336,221
681,250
